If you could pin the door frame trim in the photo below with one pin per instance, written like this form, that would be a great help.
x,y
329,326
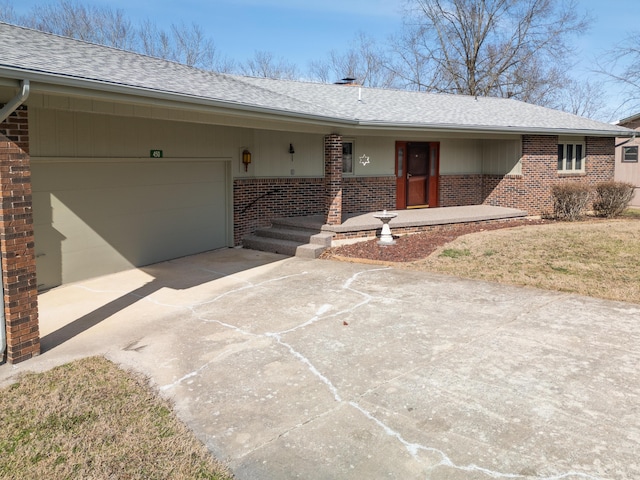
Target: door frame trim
x,y
401,170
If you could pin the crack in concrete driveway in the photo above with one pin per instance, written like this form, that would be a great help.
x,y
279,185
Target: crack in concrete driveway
x,y
316,369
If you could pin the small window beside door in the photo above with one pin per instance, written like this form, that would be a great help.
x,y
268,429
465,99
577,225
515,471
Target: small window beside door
x,y
347,157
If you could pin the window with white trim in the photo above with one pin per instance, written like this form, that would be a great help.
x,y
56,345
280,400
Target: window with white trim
x,y
347,156
571,157
630,154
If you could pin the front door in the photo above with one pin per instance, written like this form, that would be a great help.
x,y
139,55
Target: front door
x,y
417,170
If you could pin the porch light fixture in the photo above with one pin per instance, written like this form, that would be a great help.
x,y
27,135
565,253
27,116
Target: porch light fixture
x,y
246,159
291,149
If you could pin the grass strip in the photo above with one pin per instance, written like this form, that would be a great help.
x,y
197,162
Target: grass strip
x,y
90,419
597,258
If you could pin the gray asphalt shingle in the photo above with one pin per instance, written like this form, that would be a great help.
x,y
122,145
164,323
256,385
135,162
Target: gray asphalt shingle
x,y
28,53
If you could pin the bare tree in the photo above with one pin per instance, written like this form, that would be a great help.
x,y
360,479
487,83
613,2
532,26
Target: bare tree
x,y
183,43
154,41
186,44
508,48
192,46
264,64
584,98
622,66
7,12
91,23
364,61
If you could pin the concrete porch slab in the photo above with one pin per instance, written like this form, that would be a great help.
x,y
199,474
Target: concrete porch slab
x,y
427,216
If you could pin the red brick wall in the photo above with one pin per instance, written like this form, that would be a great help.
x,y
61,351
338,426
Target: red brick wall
x,y
530,191
17,240
333,178
257,201
368,194
601,164
456,190
510,191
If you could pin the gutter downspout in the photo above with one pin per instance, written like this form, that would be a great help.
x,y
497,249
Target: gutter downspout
x,y
627,140
14,103
7,110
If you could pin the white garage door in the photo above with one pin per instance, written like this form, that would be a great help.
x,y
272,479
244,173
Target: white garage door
x,y
97,217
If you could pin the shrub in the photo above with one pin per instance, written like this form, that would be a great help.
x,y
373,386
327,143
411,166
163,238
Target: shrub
x,y
612,198
570,200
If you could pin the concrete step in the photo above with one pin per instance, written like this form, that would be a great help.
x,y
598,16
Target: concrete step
x,y
323,239
290,237
303,223
310,250
300,242
280,233
273,245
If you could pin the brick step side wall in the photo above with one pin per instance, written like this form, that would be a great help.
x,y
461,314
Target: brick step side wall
x,y
257,201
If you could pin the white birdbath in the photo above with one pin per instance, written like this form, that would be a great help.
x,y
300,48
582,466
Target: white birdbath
x,y
385,236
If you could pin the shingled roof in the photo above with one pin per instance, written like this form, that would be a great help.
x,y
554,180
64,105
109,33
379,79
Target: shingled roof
x,y
55,60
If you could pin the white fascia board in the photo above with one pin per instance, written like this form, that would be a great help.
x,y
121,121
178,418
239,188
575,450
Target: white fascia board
x,y
621,132
52,83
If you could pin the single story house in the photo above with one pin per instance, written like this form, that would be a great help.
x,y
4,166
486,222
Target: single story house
x,y
110,159
627,166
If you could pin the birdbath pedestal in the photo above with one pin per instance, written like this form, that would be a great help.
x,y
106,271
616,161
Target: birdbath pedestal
x,y
385,236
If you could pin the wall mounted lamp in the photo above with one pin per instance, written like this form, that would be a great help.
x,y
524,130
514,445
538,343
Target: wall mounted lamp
x,y
246,158
291,150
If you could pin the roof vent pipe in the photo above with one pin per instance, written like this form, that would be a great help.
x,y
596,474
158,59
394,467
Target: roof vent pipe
x,y
7,110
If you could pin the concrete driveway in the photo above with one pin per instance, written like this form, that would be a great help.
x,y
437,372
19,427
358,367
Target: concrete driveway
x,y
315,370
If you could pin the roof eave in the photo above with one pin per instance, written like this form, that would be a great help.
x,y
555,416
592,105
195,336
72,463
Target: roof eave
x,y
65,81
132,90
632,118
623,132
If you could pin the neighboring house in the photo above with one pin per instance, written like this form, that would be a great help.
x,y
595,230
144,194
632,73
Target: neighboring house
x,y
110,159
627,166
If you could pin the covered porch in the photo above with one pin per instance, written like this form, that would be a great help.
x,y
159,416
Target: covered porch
x,y
363,226
308,236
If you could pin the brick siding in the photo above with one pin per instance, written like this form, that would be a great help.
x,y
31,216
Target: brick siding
x,y
257,201
530,191
368,194
17,240
333,178
600,166
457,190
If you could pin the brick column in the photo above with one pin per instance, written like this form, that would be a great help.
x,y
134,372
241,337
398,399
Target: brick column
x,y
17,240
333,178
539,173
600,158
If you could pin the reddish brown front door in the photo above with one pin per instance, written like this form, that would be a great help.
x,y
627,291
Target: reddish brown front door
x,y
417,171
